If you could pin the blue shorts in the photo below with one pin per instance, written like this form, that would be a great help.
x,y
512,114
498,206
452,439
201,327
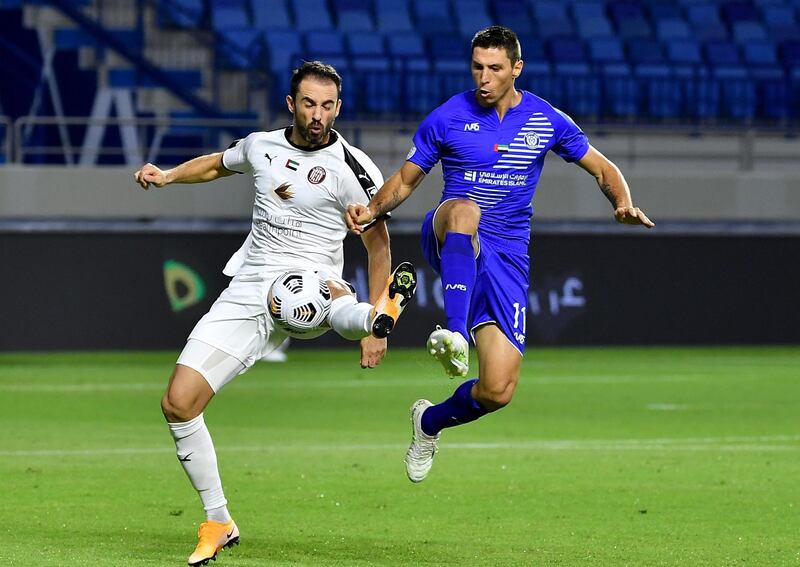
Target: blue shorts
x,y
500,294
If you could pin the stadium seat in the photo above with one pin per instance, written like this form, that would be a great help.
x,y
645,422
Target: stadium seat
x,y
180,13
790,54
684,52
566,50
393,16
620,92
271,16
240,48
738,93
555,28
433,17
588,10
745,32
645,51
662,93
355,21
283,48
733,12
229,16
365,44
591,27
580,88
325,44
537,78
606,50
513,14
311,15
664,11
721,53
702,98
406,45
472,15
672,29
546,11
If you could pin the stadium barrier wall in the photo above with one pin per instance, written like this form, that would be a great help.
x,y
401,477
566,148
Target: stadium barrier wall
x,y
73,291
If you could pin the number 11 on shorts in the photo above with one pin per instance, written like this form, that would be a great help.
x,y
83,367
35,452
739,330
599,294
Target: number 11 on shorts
x,y
517,312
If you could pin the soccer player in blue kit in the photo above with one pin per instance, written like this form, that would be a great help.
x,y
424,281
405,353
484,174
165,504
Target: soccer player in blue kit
x,y
492,143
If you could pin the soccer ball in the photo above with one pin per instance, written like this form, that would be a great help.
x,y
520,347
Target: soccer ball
x,y
299,303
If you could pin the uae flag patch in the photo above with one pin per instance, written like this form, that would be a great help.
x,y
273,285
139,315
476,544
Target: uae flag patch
x,y
501,147
293,165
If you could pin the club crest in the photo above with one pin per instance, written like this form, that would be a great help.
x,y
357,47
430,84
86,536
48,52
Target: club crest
x,y
532,140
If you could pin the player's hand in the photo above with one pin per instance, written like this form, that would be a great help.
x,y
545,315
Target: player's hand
x,y
150,174
632,215
372,351
357,216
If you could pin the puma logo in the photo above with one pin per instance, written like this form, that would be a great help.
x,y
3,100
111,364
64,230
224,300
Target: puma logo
x,y
283,191
270,158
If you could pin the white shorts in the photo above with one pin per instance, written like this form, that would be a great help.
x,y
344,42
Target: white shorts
x,y
239,325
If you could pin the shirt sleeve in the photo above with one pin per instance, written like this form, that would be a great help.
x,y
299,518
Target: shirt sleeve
x,y
572,143
360,179
427,147
235,157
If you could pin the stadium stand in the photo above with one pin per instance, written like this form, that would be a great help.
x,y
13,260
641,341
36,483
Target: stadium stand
x,y
673,61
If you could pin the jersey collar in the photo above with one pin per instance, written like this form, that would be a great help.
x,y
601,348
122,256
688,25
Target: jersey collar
x,y
332,139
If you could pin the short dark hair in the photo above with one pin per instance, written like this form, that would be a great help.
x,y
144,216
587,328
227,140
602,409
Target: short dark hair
x,y
499,36
316,69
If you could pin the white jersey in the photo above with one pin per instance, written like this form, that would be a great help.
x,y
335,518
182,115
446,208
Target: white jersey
x,y
301,198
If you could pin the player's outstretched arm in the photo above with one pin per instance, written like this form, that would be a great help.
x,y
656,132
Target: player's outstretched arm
x,y
396,190
614,187
376,241
197,170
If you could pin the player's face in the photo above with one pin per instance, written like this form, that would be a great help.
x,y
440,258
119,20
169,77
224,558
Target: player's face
x,y
315,109
493,74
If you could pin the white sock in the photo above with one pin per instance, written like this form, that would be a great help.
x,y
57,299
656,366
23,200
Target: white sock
x,y
350,319
197,456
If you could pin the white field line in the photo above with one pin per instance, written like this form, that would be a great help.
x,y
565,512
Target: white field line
x,y
733,444
257,383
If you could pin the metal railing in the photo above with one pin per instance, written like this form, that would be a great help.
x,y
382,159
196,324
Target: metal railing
x,y
74,141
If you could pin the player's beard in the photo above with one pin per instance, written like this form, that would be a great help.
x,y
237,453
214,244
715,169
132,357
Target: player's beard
x,y
314,139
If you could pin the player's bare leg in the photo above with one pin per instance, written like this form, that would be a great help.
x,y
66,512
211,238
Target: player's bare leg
x,y
456,227
354,320
499,364
188,394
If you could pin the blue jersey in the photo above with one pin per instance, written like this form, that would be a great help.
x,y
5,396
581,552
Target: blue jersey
x,y
496,163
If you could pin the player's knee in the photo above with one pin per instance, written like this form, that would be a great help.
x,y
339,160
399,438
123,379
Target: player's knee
x,y
177,409
461,215
338,289
496,395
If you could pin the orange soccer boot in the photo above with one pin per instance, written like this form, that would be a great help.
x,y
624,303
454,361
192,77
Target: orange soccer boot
x,y
213,536
399,290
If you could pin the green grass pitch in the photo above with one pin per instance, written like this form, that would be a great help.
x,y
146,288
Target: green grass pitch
x,y
606,457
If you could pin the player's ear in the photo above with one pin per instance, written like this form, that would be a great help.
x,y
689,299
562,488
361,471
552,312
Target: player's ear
x,y
290,103
338,108
516,71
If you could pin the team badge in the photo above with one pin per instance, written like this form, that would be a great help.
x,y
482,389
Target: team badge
x,y
532,140
316,175
293,165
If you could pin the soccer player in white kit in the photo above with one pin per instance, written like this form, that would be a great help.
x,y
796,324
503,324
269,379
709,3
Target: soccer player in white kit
x,y
305,176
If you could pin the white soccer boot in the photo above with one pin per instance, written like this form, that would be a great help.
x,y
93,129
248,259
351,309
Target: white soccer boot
x,y
419,458
451,350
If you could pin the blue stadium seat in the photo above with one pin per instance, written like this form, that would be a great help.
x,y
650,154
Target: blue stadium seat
x,y
634,28
684,52
738,12
271,16
669,29
626,10
555,28
721,53
588,10
703,14
240,49
620,92
283,48
760,53
532,49
229,17
433,17
549,10
472,15
738,93
790,54
702,98
745,32
645,51
325,44
590,27
566,50
393,16
662,93
665,11
365,44
513,14
580,88
421,92
311,15
180,13
606,50
406,45
537,78
379,92
781,23
355,21
449,48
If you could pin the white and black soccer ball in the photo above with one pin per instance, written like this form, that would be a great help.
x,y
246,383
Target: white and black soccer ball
x,y
299,302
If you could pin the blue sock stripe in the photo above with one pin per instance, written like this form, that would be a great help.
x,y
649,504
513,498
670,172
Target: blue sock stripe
x,y
458,409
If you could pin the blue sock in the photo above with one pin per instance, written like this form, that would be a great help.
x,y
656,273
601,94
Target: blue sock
x,y
459,408
458,279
